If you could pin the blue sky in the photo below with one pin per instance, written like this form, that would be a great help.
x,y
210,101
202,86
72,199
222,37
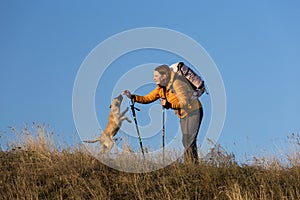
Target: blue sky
x,y
255,46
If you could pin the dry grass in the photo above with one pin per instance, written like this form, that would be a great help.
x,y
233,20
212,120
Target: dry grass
x,y
37,170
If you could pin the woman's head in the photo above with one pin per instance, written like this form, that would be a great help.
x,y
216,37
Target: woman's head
x,y
162,75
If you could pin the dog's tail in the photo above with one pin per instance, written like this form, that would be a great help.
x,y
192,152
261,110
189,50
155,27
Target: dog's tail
x,y
92,141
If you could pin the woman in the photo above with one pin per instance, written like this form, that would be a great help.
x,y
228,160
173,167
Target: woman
x,y
175,93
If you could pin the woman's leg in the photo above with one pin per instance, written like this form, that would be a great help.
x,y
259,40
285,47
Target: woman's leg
x,y
190,127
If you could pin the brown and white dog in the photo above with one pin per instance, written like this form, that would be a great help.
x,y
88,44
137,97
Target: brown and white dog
x,y
114,123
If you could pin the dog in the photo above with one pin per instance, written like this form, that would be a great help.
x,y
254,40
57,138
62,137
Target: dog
x,y
114,124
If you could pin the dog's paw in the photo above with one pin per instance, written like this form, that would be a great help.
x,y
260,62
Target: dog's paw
x,y
128,120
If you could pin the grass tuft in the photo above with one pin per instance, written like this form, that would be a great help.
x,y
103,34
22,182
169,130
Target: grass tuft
x,y
34,168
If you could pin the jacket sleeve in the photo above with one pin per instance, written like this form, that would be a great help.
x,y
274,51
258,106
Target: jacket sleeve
x,y
149,98
183,93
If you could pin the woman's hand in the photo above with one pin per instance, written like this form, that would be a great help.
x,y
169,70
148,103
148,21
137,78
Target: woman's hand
x,y
165,103
127,93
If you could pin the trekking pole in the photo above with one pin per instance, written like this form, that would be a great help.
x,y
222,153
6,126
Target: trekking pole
x,y
136,124
163,131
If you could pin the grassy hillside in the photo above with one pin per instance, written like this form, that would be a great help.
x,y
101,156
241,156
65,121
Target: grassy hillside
x,y
37,170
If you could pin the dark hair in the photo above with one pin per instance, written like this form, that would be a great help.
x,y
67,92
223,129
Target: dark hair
x,y
163,70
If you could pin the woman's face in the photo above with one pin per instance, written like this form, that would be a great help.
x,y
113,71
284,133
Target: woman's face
x,y
159,79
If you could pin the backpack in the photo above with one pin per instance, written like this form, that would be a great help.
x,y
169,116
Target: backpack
x,y
196,82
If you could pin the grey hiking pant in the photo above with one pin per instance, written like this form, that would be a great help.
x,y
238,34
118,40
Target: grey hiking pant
x,y
189,127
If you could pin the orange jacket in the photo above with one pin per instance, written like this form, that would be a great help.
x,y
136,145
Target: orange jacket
x,y
178,94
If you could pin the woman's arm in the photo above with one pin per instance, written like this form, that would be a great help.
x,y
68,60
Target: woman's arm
x,y
183,92
149,98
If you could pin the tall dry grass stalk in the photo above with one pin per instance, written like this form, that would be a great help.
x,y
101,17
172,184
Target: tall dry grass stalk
x,y
35,169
